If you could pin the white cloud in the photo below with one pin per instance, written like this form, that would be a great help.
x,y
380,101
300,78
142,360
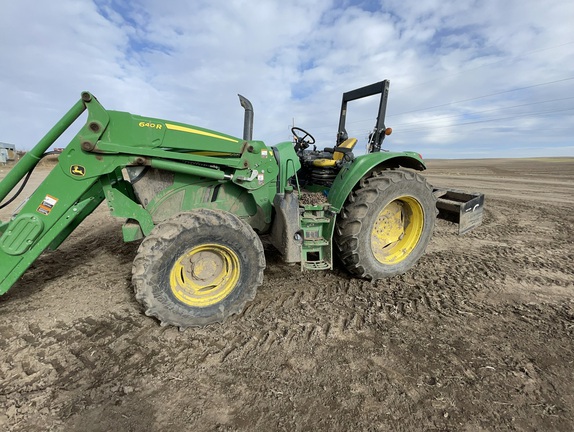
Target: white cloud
x,y
186,61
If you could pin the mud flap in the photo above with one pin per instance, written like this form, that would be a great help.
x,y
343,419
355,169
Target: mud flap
x,y
463,208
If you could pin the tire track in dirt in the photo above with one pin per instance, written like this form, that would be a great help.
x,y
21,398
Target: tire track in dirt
x,y
453,282
100,359
324,305
90,359
450,282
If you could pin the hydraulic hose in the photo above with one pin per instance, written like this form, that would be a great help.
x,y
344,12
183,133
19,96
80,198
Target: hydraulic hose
x,y
25,181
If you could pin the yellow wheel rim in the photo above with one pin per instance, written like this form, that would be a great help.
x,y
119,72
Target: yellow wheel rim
x,y
397,230
204,275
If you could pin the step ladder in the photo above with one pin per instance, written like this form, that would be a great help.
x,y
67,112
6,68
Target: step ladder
x,y
316,248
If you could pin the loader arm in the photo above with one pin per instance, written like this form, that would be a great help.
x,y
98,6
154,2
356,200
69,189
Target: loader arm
x,y
84,176
209,169
59,204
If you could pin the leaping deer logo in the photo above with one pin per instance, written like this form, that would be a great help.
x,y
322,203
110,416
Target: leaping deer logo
x,y
78,170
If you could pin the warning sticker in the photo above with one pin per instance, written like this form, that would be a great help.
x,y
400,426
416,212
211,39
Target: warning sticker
x,y
47,205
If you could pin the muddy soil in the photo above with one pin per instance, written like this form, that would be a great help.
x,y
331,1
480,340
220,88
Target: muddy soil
x,y
477,337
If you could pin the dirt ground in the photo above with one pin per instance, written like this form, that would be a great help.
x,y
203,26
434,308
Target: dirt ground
x,y
477,337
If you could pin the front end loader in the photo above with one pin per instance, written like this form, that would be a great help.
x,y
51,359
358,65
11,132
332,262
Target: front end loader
x,y
199,200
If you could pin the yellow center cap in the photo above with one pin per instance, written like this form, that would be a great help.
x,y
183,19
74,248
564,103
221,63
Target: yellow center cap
x,y
205,266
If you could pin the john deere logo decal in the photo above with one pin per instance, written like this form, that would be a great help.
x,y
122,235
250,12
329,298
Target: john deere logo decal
x,y
78,170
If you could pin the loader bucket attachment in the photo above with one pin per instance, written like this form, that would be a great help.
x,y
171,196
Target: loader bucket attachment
x,y
462,208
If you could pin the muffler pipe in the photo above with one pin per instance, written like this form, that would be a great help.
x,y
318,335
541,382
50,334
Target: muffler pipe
x,y
248,119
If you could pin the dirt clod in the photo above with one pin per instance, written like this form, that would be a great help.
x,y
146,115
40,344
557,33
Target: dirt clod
x,y
312,198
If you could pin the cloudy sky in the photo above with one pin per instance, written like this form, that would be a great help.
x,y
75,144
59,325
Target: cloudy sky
x,y
469,78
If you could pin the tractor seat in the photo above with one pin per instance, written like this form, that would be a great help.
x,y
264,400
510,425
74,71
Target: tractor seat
x,y
347,145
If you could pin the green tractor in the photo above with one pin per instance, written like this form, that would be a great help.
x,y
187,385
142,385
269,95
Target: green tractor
x,y
200,200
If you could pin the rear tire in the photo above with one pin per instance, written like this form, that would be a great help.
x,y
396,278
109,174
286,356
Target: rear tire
x,y
386,224
198,268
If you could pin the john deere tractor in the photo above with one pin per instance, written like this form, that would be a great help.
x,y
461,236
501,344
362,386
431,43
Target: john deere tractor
x,y
199,200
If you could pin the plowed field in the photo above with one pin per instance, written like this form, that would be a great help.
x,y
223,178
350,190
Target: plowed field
x,y
477,337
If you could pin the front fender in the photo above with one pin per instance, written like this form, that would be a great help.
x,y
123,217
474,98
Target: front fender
x,y
361,166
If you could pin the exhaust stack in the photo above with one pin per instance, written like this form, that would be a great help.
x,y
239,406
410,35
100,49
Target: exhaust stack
x,y
248,120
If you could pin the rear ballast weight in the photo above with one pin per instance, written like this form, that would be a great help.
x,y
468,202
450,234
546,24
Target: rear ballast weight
x,y
199,199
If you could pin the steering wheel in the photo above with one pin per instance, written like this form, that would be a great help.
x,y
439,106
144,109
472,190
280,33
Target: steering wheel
x,y
304,141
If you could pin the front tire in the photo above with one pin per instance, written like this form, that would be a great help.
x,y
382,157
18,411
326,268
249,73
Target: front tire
x,y
198,268
386,224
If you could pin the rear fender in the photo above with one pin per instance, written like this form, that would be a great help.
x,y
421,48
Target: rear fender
x,y
362,166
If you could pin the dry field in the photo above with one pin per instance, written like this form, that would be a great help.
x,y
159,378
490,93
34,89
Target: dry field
x,y
477,337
